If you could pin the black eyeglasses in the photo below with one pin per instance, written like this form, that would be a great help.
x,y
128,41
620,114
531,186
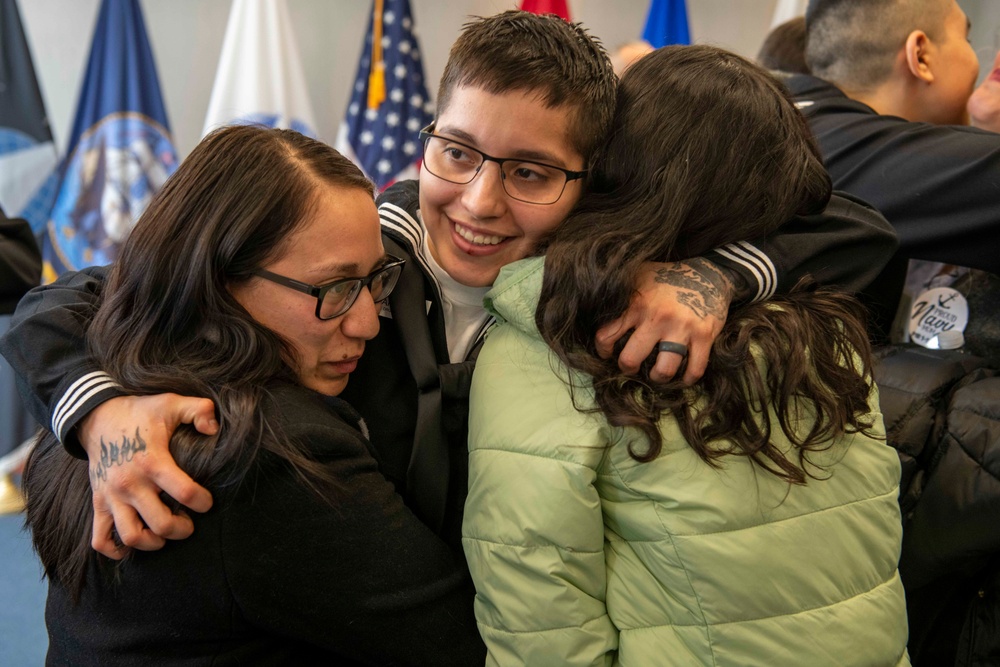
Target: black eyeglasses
x,y
523,180
335,298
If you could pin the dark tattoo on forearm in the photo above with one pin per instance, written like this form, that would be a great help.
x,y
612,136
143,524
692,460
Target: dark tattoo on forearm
x,y
113,453
704,288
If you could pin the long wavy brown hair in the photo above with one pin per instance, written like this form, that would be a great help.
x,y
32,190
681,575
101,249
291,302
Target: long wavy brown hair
x,y
707,149
168,323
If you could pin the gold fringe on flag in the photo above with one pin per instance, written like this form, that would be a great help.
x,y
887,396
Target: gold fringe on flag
x,y
376,76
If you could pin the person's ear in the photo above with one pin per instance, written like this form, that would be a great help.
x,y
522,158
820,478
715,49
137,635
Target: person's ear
x,y
917,50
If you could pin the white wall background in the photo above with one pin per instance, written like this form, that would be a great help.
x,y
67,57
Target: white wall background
x,y
186,36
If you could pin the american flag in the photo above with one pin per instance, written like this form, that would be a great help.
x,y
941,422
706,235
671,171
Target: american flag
x,y
389,103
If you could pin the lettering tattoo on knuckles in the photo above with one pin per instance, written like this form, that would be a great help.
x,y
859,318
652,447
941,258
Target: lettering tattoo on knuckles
x,y
113,453
698,282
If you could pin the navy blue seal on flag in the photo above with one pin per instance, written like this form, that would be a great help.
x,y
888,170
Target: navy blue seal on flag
x,y
120,150
108,180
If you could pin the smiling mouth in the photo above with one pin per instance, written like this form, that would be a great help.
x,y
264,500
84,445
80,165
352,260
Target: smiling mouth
x,y
478,239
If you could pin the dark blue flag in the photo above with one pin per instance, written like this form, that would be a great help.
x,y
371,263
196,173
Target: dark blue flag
x,y
120,150
27,159
667,23
27,152
389,103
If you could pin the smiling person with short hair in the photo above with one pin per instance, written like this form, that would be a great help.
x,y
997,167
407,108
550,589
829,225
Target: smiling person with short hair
x,y
536,94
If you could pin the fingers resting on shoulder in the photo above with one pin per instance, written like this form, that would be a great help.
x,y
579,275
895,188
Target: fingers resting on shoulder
x,y
127,441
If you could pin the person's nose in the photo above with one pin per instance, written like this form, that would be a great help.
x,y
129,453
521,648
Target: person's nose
x,y
484,198
361,319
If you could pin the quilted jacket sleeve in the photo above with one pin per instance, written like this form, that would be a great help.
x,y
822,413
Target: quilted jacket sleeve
x,y
533,530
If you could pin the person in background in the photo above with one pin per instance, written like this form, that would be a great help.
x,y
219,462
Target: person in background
x,y
524,102
890,110
784,48
20,270
628,53
890,101
254,278
749,519
20,262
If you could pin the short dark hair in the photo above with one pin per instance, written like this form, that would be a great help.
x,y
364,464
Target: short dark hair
x,y
522,51
784,48
852,43
168,323
707,149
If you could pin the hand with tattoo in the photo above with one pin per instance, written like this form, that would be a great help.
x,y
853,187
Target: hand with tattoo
x,y
683,302
127,440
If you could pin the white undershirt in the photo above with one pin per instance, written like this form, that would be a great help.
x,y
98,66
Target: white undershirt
x,y
464,315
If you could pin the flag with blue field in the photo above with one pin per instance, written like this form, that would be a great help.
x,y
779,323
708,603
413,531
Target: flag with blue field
x,y
120,149
667,23
389,102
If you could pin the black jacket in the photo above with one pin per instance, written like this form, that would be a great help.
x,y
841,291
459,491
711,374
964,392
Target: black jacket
x,y
939,186
276,574
20,262
414,398
941,414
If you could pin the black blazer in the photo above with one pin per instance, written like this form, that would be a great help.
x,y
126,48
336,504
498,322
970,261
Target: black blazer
x,y
276,574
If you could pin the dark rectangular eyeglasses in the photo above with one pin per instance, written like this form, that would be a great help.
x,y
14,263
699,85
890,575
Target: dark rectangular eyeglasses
x,y
335,298
523,180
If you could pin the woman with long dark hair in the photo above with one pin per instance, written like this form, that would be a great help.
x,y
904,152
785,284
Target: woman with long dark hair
x,y
253,279
749,519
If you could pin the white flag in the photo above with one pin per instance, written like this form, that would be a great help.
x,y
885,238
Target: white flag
x,y
260,77
785,10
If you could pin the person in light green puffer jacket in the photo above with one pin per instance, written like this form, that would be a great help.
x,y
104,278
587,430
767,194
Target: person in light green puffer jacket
x,y
749,520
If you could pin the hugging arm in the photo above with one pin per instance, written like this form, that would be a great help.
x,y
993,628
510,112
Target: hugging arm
x,y
846,245
46,347
687,302
87,410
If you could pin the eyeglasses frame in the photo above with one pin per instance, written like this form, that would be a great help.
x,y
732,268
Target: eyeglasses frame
x,y
427,134
319,291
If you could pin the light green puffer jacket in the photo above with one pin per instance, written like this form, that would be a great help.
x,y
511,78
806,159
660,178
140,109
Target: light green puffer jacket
x,y
583,556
